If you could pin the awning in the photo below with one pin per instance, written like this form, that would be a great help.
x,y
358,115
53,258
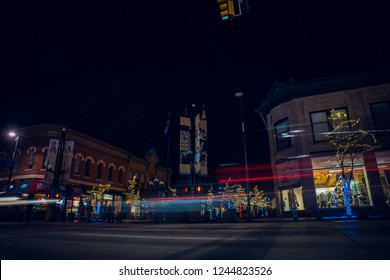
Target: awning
x,y
31,186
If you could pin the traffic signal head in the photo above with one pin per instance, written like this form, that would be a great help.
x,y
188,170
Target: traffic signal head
x,y
226,8
198,188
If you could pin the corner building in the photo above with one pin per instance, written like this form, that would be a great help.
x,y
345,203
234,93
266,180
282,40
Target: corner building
x,y
303,161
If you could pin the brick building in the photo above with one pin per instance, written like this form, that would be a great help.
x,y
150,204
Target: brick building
x,y
87,162
305,173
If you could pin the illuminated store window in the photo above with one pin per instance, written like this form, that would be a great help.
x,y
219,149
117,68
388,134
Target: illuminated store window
x,y
329,184
383,160
292,198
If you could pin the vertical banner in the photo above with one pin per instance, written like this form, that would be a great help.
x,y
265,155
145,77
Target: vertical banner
x,y
51,161
67,161
203,144
197,145
185,146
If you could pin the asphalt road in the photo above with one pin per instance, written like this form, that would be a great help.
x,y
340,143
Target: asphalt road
x,y
277,240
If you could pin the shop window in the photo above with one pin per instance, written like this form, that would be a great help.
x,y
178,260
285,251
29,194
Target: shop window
x,y
321,125
292,199
87,168
385,180
76,168
329,186
110,169
382,158
99,170
282,135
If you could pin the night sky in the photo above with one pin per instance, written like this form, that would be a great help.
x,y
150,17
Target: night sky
x,y
115,70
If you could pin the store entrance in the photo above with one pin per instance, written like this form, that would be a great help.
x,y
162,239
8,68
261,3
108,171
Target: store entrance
x,y
292,199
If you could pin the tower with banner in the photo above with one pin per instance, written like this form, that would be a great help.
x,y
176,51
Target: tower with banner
x,y
193,147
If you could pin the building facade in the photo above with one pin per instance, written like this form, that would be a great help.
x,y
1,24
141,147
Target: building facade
x,y
87,163
307,175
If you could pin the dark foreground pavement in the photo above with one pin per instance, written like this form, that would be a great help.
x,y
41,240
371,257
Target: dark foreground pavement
x,y
273,240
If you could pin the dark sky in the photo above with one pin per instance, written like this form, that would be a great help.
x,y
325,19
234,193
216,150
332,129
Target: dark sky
x,y
115,70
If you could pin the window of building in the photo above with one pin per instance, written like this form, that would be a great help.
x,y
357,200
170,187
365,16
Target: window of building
x,y
130,174
45,158
382,158
120,174
381,116
99,170
87,168
321,125
110,169
31,158
292,198
76,168
329,183
282,136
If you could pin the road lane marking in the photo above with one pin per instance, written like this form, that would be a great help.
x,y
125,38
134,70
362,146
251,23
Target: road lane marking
x,y
160,237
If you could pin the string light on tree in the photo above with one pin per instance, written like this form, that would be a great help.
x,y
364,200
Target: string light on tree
x,y
349,141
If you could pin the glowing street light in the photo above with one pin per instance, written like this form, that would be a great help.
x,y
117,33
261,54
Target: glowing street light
x,y
13,135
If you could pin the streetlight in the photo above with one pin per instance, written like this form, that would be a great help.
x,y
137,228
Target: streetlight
x,y
247,188
13,135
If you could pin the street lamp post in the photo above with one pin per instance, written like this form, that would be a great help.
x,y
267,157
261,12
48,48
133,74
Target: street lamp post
x,y
16,138
247,188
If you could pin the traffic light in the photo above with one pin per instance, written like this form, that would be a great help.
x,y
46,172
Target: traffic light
x,y
198,188
226,8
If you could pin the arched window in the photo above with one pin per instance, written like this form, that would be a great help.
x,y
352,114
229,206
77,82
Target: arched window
x,y
76,168
31,157
87,171
45,158
120,175
110,169
99,170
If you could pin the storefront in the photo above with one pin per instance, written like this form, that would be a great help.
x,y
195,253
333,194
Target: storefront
x,y
329,181
35,193
292,199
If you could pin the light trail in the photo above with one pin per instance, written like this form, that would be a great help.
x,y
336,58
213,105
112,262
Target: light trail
x,y
14,200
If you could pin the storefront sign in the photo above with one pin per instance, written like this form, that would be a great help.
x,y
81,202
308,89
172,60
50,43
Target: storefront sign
x,y
108,196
